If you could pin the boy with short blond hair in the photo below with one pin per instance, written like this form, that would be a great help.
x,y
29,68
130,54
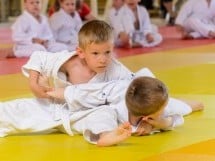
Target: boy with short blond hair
x,y
91,62
99,32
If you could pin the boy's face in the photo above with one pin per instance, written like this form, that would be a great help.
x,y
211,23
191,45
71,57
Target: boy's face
x,y
132,3
155,115
118,3
97,56
33,6
68,6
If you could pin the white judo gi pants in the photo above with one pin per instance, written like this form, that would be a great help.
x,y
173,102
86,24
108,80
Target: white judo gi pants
x,y
199,28
27,50
26,116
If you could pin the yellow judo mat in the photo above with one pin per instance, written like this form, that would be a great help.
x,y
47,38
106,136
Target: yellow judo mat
x,y
188,73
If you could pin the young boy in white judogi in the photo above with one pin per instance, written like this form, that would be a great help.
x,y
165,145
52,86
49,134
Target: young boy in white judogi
x,y
197,19
91,62
121,22
134,20
96,110
144,104
66,23
31,32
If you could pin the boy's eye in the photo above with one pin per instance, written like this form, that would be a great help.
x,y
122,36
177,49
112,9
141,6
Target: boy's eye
x,y
95,53
150,118
107,52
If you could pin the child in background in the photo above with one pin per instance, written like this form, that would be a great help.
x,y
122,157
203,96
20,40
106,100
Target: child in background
x,y
91,62
197,20
145,34
31,32
66,23
82,8
118,18
133,21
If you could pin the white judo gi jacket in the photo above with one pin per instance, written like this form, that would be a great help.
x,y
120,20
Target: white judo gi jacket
x,y
41,115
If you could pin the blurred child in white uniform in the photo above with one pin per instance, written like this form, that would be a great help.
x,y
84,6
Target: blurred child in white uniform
x,y
132,25
66,23
197,19
31,32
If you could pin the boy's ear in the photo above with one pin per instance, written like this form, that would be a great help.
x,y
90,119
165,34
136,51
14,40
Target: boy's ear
x,y
144,118
80,52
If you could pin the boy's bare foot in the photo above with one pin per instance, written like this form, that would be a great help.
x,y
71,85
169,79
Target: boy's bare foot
x,y
187,37
116,136
136,45
195,105
6,53
211,34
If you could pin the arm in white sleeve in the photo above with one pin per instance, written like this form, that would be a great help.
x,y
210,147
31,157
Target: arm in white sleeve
x,y
20,32
114,19
47,32
36,62
55,24
177,120
185,12
87,96
46,63
80,97
147,28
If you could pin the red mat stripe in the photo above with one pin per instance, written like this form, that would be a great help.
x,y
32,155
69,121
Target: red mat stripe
x,y
5,36
171,41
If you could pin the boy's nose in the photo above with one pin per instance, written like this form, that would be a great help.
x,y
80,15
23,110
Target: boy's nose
x,y
36,4
103,58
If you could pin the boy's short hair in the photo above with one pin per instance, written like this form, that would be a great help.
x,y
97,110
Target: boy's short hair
x,y
145,96
94,31
27,0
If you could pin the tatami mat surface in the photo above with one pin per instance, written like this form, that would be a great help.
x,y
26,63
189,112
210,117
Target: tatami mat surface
x,y
188,73
203,151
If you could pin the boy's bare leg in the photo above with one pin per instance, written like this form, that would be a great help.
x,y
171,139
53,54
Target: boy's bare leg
x,y
116,136
6,53
211,34
187,37
195,105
